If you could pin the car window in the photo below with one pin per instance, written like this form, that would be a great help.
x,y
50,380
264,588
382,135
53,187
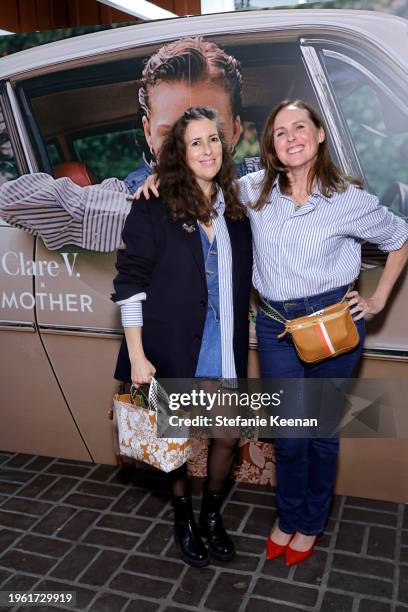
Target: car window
x,y
8,167
107,154
377,118
54,154
93,111
88,114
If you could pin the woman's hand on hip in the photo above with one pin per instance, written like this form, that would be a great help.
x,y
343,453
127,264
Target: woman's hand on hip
x,y
142,372
363,308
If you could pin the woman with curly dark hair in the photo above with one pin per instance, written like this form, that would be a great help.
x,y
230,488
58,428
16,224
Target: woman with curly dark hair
x,y
183,285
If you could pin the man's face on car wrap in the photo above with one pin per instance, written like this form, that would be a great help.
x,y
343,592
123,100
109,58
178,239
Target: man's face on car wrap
x,y
169,99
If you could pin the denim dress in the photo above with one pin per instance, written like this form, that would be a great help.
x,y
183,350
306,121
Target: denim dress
x,y
209,360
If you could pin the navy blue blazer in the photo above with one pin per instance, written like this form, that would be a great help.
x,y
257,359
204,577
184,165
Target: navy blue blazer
x,y
167,262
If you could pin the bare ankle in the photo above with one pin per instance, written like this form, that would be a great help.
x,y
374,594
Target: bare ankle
x,y
280,537
302,542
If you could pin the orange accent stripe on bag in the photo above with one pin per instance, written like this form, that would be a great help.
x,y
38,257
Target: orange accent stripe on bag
x,y
325,338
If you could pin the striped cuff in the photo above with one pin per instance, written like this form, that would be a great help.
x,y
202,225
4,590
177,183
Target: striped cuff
x,y
133,298
132,314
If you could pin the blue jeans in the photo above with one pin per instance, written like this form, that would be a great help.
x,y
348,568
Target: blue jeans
x,y
305,467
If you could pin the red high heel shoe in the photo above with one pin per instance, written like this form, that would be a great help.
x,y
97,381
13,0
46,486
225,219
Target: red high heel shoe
x,y
293,557
274,550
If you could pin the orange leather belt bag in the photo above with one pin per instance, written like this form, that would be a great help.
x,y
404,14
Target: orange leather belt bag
x,y
320,335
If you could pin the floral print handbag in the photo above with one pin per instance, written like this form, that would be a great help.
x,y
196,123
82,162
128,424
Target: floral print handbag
x,y
135,420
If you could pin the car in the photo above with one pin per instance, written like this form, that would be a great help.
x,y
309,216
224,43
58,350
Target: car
x,y
76,101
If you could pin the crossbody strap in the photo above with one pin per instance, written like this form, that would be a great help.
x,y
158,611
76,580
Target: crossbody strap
x,y
274,314
271,312
349,288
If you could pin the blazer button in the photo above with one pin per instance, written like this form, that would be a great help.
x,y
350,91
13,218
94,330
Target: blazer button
x,y
203,303
197,337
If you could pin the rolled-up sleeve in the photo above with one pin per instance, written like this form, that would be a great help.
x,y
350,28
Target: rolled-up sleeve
x,y
377,224
131,310
132,314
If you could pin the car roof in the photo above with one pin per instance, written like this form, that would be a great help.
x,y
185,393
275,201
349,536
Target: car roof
x,y
387,31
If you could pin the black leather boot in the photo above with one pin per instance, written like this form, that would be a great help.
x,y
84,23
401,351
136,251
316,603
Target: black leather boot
x,y
219,543
187,535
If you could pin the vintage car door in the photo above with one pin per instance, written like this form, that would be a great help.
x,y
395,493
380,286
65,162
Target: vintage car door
x,y
79,326
363,93
35,415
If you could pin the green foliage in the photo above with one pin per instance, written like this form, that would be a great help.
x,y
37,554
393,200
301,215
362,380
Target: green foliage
x,y
248,144
382,152
19,42
396,7
113,154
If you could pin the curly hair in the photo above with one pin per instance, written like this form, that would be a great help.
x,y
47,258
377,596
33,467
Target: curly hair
x,y
193,59
178,185
324,170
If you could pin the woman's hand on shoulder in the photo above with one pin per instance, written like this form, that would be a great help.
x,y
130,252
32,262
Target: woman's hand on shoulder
x,y
151,185
363,308
142,372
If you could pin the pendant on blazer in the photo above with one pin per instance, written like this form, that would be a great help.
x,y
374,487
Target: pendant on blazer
x,y
189,227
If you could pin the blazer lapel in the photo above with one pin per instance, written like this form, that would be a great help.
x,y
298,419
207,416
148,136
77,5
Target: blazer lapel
x,y
190,234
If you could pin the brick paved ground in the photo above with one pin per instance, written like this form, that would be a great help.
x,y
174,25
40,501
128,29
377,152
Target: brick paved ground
x,y
68,525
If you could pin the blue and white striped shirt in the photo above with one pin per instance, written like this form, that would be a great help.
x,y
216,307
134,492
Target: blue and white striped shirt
x,y
317,247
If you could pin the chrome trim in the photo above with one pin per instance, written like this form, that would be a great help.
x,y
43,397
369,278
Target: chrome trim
x,y
386,354
71,329
21,325
22,132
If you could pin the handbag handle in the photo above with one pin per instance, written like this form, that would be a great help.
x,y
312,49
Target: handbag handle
x,y
148,392
135,391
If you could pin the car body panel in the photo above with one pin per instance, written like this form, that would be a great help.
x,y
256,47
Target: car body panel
x,y
35,416
77,295
88,383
